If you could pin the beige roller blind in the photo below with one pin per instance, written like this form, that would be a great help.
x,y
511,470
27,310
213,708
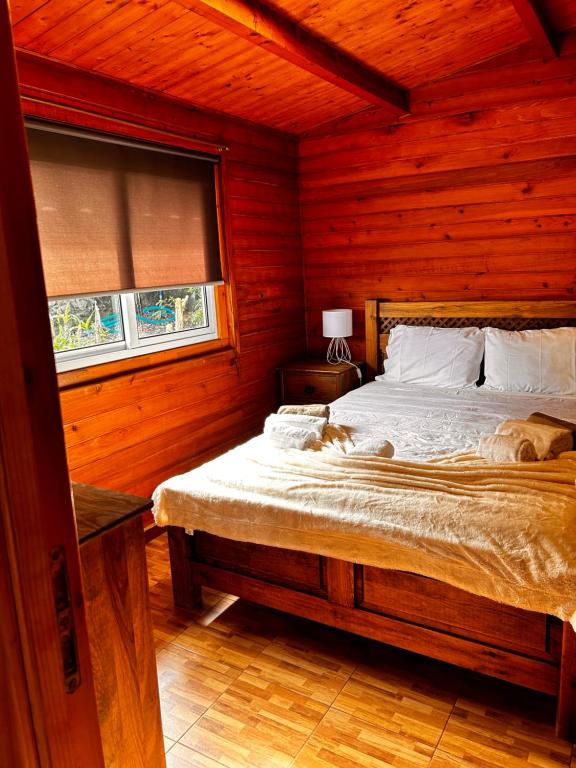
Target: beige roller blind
x,y
171,203
115,217
79,208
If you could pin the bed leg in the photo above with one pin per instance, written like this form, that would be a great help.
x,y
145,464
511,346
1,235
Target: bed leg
x,y
186,590
340,582
566,704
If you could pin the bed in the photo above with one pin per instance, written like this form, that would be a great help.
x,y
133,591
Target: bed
x,y
341,578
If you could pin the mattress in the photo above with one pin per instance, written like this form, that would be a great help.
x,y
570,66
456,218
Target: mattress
x,y
425,423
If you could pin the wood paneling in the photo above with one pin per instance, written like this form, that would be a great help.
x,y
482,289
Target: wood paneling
x,y
504,85
410,42
455,202
536,26
166,47
131,430
289,64
262,26
562,14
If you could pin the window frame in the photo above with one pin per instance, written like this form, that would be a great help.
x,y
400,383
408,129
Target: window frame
x,y
132,346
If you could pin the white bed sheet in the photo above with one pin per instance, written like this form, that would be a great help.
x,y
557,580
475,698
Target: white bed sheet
x,y
424,422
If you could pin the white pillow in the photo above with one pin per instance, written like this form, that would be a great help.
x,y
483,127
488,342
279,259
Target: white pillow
x,y
440,357
531,361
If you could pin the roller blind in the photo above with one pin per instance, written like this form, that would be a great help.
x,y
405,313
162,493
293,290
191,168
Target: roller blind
x,y
117,216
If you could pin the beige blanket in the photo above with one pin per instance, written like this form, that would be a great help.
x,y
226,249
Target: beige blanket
x,y
507,532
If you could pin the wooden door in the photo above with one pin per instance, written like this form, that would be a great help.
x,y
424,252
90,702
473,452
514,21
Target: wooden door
x,y
47,703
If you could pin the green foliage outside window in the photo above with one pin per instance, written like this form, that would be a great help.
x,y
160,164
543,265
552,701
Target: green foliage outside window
x,y
90,321
77,322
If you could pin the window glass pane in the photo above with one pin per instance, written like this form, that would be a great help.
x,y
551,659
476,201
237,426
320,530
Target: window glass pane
x,y
170,311
85,321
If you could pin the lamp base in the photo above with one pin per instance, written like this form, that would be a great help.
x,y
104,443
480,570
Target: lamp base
x,y
338,351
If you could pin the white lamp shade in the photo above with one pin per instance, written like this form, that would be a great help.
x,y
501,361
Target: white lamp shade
x,y
337,323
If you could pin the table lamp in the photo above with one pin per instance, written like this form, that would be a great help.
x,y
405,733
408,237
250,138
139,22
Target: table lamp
x,y
336,326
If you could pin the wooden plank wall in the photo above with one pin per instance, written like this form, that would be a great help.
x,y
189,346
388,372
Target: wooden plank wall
x,y
131,431
471,197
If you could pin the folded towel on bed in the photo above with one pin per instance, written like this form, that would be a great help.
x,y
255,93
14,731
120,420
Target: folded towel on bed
x,y
372,447
552,421
287,430
314,424
506,448
323,411
287,436
548,441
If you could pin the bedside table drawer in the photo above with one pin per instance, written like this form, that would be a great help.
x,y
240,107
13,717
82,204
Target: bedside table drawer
x,y
316,381
302,387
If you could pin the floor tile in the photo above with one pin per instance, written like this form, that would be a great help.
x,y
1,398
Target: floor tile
x,y
524,705
381,663
397,702
236,649
305,664
481,732
169,622
188,685
256,724
344,741
443,760
168,743
182,757
249,617
157,559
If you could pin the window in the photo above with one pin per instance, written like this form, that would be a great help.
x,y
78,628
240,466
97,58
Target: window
x,y
87,330
129,241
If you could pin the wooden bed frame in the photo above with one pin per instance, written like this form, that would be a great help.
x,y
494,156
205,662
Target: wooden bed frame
x,y
402,609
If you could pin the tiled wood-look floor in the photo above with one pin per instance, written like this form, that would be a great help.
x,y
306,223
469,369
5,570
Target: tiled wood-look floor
x,y
247,687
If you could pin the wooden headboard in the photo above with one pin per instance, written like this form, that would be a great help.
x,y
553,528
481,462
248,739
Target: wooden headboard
x,y
382,316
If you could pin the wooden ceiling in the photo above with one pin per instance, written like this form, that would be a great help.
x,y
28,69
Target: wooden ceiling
x,y
288,64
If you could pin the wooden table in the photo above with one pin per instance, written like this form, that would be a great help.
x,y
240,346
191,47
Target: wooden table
x,y
115,581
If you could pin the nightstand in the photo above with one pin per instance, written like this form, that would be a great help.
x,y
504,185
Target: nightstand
x,y
316,381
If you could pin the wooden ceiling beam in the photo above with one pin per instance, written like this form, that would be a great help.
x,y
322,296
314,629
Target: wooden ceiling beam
x,y
275,33
536,27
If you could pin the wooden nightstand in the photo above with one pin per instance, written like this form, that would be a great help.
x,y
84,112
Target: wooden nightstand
x,y
119,624
316,381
